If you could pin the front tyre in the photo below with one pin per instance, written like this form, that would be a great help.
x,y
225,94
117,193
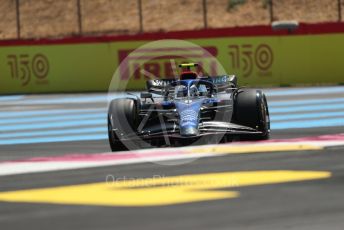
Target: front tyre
x,y
122,120
251,109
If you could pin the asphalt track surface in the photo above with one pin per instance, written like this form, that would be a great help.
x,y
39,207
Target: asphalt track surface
x,y
304,204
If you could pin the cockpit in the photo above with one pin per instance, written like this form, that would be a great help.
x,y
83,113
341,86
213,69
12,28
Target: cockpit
x,y
193,89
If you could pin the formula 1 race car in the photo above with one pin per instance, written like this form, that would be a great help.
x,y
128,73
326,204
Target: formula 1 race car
x,y
177,112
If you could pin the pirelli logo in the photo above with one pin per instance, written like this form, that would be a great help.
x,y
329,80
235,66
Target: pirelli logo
x,y
153,63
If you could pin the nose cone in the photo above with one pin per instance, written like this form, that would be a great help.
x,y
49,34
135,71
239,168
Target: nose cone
x,y
189,131
189,118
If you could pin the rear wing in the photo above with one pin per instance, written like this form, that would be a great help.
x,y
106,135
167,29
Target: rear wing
x,y
223,82
158,86
222,79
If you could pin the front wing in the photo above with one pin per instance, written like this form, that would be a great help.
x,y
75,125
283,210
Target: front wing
x,y
209,128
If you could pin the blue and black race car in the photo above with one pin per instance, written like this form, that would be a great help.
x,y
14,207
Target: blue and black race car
x,y
178,112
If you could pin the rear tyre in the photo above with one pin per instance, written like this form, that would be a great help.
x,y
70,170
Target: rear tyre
x,y
122,120
251,109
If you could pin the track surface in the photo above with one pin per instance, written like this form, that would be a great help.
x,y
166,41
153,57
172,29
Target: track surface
x,y
310,204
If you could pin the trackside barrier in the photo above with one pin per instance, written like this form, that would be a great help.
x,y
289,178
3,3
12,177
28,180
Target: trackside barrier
x,y
312,55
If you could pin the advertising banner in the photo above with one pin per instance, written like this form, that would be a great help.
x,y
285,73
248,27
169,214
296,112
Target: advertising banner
x,y
270,60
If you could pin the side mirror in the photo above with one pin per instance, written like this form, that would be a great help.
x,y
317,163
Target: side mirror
x,y
146,95
229,90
